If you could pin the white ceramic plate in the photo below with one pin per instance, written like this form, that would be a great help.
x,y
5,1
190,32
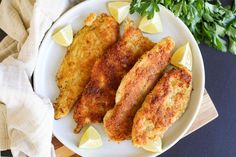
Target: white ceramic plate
x,y
51,56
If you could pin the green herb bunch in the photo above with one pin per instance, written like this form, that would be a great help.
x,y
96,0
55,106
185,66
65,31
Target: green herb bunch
x,y
208,20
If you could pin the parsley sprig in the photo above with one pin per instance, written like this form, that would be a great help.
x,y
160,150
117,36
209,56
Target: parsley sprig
x,y
208,20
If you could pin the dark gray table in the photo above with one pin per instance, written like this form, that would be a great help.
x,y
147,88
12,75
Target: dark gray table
x,y
218,138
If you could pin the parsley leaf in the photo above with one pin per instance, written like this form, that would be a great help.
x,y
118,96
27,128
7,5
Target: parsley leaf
x,y
208,20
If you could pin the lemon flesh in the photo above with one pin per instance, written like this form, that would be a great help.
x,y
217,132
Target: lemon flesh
x,y
152,26
119,10
64,36
153,146
182,57
91,139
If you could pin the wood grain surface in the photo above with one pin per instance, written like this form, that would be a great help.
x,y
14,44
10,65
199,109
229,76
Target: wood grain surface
x,y
206,114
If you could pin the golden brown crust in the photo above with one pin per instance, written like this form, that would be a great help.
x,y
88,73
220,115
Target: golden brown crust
x,y
162,107
90,19
134,87
88,45
99,94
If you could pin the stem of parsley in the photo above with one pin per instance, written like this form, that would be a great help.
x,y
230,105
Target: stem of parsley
x,y
208,20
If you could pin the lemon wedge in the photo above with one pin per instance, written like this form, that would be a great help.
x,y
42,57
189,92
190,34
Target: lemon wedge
x,y
91,139
153,146
152,26
64,36
119,10
182,57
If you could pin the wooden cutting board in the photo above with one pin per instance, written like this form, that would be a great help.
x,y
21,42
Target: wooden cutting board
x,y
206,114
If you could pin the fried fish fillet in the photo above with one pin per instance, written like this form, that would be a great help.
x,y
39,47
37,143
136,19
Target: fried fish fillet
x,y
134,87
99,94
162,107
88,45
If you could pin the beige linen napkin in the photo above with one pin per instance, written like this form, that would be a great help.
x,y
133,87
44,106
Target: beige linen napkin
x,y
26,119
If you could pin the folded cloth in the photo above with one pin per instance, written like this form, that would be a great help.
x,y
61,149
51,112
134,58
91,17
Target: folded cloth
x,y
26,119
